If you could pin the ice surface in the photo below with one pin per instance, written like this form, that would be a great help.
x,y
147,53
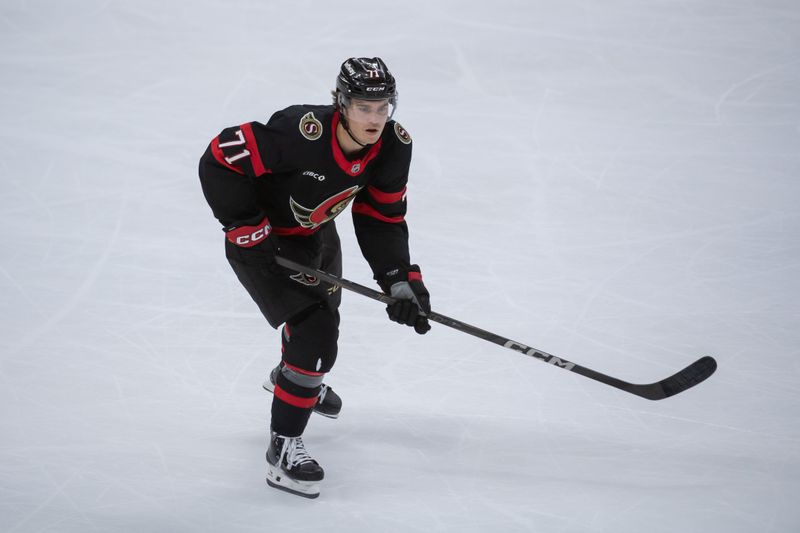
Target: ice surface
x,y
613,182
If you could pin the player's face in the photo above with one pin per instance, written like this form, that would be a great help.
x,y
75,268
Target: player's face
x,y
366,118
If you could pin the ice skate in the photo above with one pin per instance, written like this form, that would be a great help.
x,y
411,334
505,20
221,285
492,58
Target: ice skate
x,y
328,402
291,469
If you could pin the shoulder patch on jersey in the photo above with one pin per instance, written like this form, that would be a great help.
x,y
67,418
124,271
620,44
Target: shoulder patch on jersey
x,y
402,134
310,127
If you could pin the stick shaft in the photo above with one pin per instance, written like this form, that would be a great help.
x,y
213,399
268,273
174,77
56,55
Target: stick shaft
x,y
685,379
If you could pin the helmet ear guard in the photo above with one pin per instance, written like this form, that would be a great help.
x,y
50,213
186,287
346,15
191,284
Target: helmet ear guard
x,y
342,101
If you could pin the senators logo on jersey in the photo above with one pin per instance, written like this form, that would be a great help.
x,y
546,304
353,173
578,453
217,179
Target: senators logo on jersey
x,y
402,134
327,210
310,127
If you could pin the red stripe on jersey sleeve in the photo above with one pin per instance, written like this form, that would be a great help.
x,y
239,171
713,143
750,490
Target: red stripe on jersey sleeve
x,y
385,197
220,157
252,147
366,209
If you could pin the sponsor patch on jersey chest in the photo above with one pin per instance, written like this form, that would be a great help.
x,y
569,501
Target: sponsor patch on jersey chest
x,y
310,127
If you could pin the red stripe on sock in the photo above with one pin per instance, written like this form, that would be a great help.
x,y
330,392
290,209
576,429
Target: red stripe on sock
x,y
291,399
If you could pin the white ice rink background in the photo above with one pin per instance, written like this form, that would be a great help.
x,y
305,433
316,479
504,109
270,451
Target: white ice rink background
x,y
613,182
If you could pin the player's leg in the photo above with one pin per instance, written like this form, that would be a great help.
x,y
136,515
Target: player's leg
x,y
309,352
329,403
309,348
283,299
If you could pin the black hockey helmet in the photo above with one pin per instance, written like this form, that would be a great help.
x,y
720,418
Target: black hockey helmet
x,y
366,78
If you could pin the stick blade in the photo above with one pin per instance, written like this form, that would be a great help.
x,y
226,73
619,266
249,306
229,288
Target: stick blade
x,y
687,378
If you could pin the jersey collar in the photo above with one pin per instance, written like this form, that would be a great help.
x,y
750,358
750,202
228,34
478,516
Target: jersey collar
x,y
357,166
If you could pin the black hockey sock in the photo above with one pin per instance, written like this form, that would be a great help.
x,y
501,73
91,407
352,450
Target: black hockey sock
x,y
292,405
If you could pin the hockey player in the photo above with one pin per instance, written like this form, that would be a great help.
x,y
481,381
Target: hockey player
x,y
277,188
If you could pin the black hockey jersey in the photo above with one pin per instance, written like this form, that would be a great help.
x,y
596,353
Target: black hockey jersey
x,y
293,171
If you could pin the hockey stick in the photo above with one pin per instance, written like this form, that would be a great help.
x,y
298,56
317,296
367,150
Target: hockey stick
x,y
687,378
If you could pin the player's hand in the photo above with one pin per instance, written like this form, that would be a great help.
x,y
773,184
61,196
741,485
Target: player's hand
x,y
254,243
413,300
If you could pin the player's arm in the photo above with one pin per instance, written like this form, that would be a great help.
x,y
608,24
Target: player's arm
x,y
379,209
381,229
228,168
379,219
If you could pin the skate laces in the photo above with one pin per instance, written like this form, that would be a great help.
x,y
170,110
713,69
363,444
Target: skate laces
x,y
322,392
294,451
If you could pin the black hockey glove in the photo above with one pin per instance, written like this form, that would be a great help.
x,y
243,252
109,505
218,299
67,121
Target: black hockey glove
x,y
413,300
249,235
253,243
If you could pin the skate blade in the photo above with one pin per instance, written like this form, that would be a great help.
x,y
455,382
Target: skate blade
x,y
278,480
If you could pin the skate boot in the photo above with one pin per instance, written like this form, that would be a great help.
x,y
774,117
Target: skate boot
x,y
328,402
290,468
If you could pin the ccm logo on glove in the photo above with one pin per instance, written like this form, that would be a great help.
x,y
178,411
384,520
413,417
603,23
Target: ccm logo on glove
x,y
247,236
